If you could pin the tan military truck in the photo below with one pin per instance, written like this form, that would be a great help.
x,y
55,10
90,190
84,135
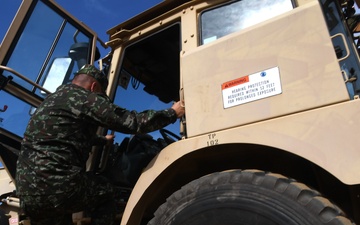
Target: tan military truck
x,y
271,133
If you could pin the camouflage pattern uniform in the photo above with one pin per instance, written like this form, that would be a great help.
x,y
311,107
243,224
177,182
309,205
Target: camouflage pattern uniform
x,y
51,179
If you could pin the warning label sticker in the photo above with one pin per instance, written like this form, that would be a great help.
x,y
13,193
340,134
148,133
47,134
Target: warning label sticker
x,y
252,87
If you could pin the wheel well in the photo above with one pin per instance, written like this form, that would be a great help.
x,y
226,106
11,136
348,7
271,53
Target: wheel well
x,y
247,156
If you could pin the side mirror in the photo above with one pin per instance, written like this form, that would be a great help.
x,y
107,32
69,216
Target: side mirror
x,y
79,52
59,71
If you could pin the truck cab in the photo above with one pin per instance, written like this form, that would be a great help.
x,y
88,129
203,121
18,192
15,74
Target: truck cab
x,y
271,95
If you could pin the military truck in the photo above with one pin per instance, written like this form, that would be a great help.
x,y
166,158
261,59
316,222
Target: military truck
x,y
271,131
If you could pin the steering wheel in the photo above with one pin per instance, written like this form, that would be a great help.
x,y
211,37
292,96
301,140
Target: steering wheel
x,y
169,136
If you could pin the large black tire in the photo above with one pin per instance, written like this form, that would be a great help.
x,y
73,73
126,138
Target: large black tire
x,y
248,197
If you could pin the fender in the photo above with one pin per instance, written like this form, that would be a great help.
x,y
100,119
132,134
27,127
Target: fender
x,y
286,133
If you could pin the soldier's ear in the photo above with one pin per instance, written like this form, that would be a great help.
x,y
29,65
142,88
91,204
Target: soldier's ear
x,y
95,87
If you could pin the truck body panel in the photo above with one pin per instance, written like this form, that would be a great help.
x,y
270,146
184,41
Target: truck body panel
x,y
303,54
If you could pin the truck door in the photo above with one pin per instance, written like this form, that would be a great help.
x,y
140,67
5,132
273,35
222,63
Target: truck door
x,y
42,48
313,57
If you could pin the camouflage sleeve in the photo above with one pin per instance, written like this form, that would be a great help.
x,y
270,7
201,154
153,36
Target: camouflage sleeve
x,y
111,116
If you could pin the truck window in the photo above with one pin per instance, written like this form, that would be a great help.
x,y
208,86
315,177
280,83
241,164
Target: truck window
x,y
45,37
150,73
239,15
16,116
46,46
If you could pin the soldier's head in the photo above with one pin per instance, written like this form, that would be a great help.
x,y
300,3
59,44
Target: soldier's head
x,y
91,78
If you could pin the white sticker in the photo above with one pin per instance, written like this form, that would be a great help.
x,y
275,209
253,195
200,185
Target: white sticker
x,y
251,88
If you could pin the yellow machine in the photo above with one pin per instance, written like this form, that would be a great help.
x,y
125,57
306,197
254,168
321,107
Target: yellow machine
x,y
271,133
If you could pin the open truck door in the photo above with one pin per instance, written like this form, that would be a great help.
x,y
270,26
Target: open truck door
x,y
41,50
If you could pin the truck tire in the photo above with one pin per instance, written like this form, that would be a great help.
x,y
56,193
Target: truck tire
x,y
247,197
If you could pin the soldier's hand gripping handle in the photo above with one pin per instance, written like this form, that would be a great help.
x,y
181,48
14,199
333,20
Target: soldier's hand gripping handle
x,y
179,108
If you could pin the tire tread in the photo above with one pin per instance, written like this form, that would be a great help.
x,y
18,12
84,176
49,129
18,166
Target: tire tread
x,y
307,197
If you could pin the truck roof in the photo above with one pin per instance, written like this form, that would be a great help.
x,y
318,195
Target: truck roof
x,y
147,15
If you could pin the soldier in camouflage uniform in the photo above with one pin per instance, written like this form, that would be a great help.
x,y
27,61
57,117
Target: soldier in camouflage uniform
x,y
51,179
